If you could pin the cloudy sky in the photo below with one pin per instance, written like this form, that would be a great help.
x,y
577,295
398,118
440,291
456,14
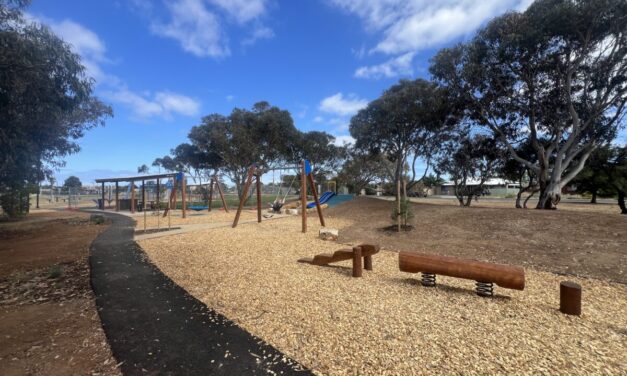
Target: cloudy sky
x,y
162,65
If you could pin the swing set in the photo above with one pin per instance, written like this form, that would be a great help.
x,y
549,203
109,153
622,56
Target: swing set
x,y
214,180
306,176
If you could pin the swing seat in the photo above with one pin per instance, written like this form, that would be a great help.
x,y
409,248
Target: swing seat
x,y
197,207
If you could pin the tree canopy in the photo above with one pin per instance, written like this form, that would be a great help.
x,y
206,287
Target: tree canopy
x,y
46,102
554,75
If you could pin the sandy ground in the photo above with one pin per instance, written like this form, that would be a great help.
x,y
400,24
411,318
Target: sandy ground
x,y
49,324
385,322
176,218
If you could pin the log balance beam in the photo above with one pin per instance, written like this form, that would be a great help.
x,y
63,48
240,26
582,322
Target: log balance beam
x,y
362,251
484,273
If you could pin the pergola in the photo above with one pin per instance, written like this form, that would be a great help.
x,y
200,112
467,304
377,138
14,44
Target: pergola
x,y
142,178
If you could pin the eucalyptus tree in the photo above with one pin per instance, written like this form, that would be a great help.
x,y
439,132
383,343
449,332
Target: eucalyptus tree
x,y
404,124
46,104
554,76
264,135
469,161
512,170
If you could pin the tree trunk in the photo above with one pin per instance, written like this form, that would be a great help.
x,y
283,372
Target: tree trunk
x,y
468,200
519,198
594,197
549,197
398,205
621,202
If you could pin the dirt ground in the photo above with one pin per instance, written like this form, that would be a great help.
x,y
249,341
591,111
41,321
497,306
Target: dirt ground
x,y
589,243
48,319
385,322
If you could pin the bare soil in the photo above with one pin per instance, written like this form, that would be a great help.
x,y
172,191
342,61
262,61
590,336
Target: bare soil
x,y
48,319
586,243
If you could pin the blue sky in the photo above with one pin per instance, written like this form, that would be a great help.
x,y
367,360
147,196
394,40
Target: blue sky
x,y
162,65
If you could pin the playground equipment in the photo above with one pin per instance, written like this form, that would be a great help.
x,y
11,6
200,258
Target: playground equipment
x,y
485,274
326,196
255,172
365,251
212,181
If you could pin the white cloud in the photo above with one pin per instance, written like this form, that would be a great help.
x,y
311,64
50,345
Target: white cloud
x,y
196,28
259,33
343,140
242,10
229,98
162,104
398,66
407,26
343,106
318,119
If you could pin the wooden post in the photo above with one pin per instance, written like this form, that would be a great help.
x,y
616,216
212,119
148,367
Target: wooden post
x,y
183,195
398,205
117,197
258,177
357,271
224,205
315,195
103,197
244,196
570,298
132,196
368,262
210,193
143,195
303,196
158,198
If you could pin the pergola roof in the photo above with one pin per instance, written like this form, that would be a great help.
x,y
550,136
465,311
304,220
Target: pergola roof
x,y
138,177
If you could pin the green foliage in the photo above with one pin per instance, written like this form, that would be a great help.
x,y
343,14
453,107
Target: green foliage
x,y
97,219
406,213
554,76
361,169
72,182
55,272
46,102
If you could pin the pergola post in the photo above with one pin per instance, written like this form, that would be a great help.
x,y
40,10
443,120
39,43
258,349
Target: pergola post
x,y
158,194
132,196
117,197
143,195
103,197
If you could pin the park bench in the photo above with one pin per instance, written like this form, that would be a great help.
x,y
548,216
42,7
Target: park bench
x,y
484,273
362,251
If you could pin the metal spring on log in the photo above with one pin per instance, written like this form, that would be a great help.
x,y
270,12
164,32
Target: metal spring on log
x,y
484,288
428,279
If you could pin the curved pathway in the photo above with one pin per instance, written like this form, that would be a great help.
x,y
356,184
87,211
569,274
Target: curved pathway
x,y
155,327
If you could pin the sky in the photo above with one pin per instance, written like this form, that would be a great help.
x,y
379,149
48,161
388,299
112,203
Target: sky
x,y
163,65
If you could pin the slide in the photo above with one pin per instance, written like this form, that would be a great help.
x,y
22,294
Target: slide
x,y
326,196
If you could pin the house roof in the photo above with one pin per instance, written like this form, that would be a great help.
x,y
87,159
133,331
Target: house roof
x,y
493,181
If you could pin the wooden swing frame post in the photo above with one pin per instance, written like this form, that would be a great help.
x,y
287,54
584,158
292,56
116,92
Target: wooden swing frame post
x,y
216,181
244,196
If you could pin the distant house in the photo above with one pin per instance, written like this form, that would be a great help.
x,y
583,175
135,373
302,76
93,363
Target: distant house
x,y
495,186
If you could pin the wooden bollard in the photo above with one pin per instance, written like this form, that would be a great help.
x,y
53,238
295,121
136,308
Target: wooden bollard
x,y
357,271
570,298
368,262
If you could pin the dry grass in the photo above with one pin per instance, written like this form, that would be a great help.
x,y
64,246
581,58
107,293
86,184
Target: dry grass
x,y
385,322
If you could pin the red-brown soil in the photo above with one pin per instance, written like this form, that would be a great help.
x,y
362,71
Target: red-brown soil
x,y
583,243
49,324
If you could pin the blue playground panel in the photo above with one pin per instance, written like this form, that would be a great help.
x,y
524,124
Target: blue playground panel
x,y
331,199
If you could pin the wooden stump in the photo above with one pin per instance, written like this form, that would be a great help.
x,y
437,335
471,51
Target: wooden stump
x,y
570,298
357,271
368,262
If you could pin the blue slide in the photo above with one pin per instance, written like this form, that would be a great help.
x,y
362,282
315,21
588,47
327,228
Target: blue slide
x,y
326,196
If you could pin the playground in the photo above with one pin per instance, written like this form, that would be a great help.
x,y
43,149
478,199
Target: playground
x,y
386,321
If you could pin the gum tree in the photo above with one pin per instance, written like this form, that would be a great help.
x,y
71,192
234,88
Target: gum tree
x,y
553,76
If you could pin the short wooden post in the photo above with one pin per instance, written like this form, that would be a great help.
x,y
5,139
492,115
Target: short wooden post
x,y
258,187
368,262
117,197
357,271
103,197
303,196
570,298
